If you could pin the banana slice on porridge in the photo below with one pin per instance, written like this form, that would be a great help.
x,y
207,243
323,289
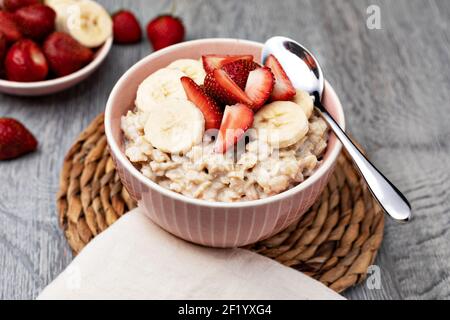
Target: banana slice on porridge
x,y
192,68
176,127
304,100
164,84
281,123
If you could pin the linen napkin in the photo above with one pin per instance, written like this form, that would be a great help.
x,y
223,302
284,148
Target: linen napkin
x,y
135,259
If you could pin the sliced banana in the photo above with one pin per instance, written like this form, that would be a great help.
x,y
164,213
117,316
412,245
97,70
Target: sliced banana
x,y
192,68
304,100
161,85
52,3
85,20
176,127
281,123
63,8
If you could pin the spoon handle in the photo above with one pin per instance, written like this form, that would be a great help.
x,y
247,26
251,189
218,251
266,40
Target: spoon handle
x,y
388,196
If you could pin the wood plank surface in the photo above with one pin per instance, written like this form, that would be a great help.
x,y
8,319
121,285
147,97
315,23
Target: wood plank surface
x,y
393,83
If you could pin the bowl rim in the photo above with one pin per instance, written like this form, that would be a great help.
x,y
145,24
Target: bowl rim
x,y
101,54
121,157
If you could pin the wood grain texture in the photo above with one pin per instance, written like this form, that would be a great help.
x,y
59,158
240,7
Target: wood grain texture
x,y
394,84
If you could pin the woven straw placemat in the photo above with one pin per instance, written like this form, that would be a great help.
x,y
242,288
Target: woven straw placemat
x,y
334,242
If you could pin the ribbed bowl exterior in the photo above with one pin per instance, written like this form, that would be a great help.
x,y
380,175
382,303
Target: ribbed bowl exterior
x,y
216,226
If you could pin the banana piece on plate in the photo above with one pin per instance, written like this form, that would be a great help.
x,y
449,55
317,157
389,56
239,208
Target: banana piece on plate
x,y
304,100
282,123
62,9
59,2
85,20
161,85
192,68
176,127
52,3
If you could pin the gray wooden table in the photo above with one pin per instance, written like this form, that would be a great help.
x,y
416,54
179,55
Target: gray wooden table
x,y
393,83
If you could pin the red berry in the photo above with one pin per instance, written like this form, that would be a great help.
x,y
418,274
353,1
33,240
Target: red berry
x,y
217,61
65,54
259,86
126,28
3,50
164,31
220,86
9,27
283,89
239,71
13,5
25,62
3,45
15,139
236,120
210,109
36,21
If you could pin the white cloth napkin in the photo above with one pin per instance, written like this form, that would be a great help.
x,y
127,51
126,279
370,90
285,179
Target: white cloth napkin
x,y
135,259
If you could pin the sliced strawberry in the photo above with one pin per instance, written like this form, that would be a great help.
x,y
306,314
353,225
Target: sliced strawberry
x,y
239,70
283,89
236,120
217,61
211,111
259,86
221,87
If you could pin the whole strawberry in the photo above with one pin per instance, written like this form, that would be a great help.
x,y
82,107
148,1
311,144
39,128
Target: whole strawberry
x,y
13,5
2,48
36,21
65,54
25,62
15,139
9,27
164,31
126,28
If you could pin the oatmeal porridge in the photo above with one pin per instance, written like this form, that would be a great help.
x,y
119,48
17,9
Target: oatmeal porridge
x,y
224,129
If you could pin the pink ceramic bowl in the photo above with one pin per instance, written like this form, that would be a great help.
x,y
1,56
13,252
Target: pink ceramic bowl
x,y
40,88
215,224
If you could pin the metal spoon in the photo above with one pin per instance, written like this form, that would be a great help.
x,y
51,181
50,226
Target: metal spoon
x,y
305,73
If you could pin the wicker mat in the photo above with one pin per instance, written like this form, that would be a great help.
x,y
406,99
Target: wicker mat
x,y
334,242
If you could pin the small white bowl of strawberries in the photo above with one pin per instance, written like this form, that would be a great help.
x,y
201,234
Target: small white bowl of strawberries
x,y
51,46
